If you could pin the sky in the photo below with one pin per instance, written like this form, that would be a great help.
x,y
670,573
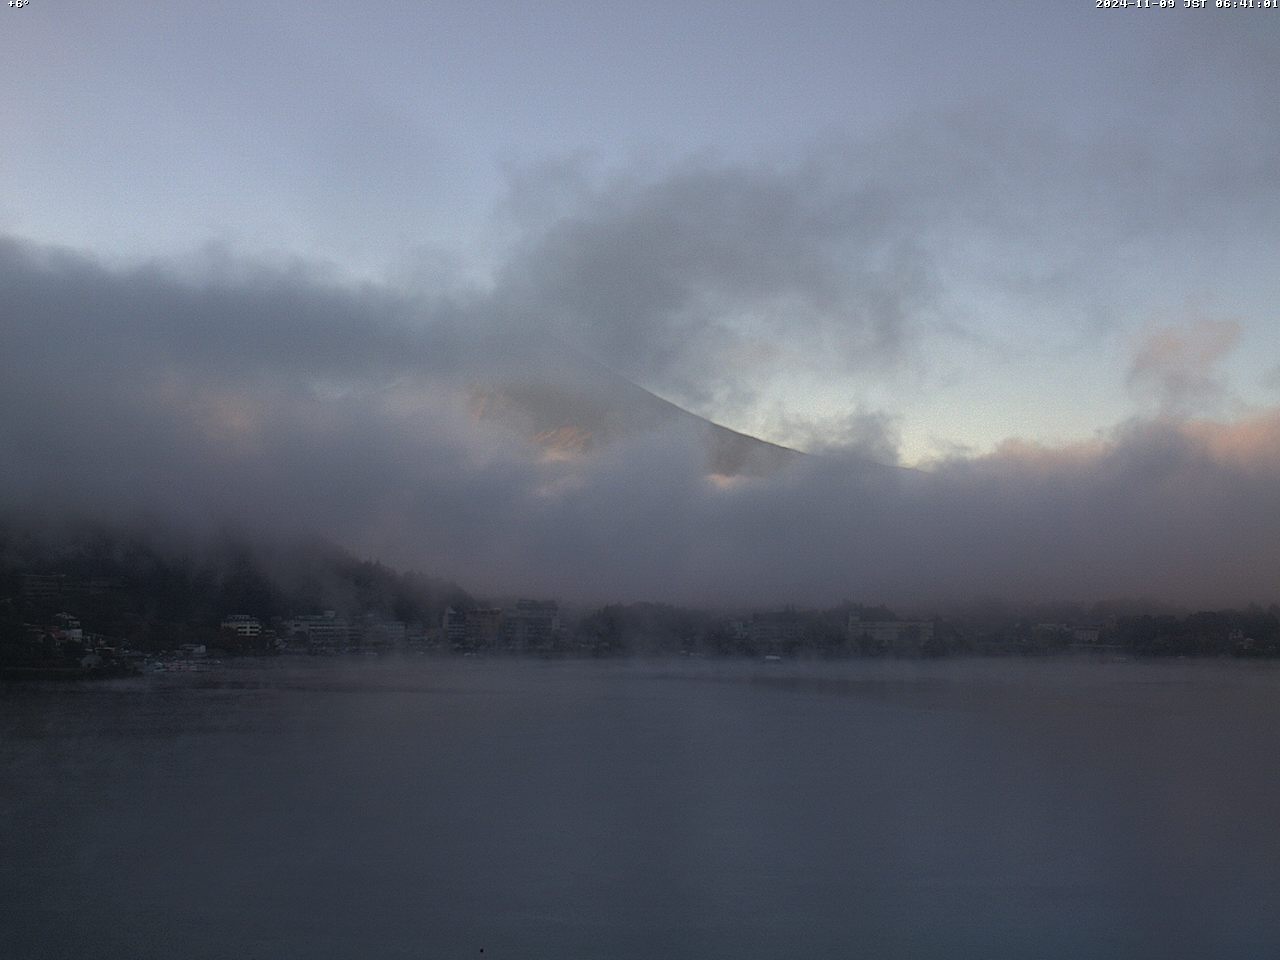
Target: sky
x,y
1030,252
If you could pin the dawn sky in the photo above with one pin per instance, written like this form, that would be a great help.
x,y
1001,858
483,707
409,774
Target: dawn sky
x,y
1057,180
986,238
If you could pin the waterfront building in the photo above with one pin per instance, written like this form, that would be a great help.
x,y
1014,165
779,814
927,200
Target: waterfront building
x,y
243,625
890,635
326,630
533,624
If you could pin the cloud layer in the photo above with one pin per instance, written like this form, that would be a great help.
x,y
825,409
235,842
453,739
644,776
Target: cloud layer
x,y
289,405
1177,367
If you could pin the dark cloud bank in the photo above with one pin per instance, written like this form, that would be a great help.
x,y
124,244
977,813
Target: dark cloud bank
x,y
290,405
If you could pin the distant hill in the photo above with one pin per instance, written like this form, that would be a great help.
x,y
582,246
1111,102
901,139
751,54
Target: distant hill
x,y
156,587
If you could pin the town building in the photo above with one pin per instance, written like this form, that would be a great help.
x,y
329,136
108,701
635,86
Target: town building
x,y
67,629
533,624
327,630
889,635
484,626
478,627
243,625
454,625
375,632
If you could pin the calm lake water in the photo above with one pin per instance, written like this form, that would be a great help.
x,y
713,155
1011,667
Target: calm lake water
x,y
441,808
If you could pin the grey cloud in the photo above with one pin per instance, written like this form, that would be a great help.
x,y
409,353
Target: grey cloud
x,y
698,281
873,434
289,407
1176,367
703,281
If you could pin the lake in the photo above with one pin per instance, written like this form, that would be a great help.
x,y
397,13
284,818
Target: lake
x,y
300,808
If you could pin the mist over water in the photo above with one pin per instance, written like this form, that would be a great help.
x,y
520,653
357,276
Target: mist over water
x,y
436,808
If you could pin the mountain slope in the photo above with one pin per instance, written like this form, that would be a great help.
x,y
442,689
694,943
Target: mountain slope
x,y
572,407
